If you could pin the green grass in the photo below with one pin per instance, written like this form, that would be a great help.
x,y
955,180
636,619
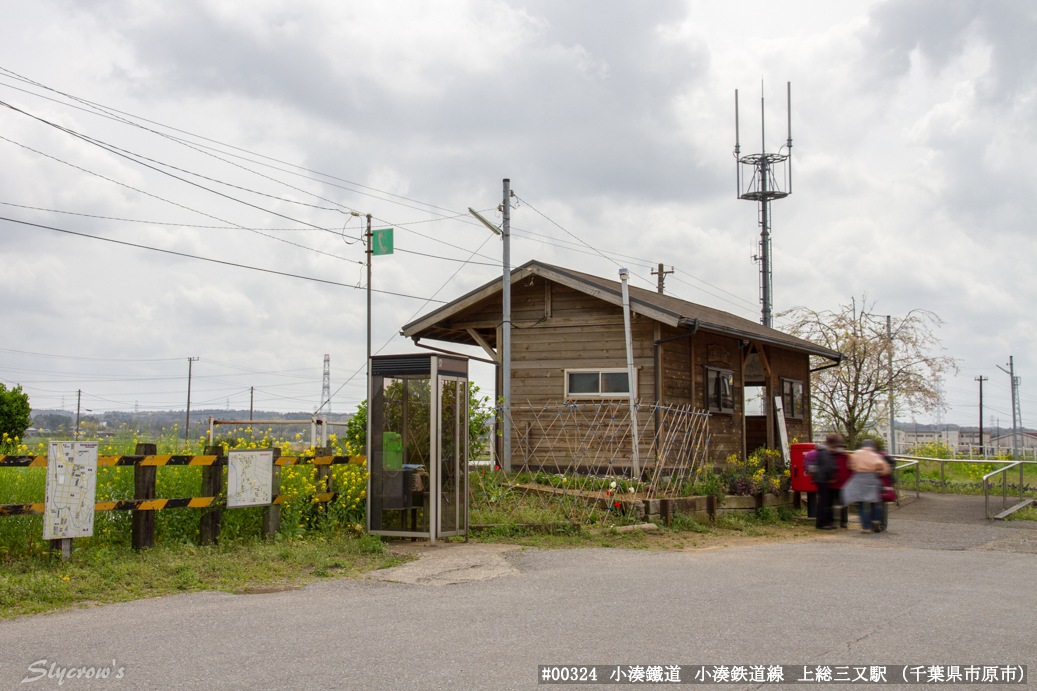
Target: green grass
x,y
44,583
684,531
1027,514
967,478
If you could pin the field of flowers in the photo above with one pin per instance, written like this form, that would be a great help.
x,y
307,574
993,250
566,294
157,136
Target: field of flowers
x,y
300,514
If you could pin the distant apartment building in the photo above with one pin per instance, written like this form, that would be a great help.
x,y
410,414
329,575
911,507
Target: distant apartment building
x,y
908,439
1027,440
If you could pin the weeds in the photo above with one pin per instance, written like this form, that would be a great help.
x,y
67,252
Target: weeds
x,y
113,574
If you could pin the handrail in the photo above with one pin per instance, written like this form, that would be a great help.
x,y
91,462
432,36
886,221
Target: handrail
x,y
1004,486
942,461
896,478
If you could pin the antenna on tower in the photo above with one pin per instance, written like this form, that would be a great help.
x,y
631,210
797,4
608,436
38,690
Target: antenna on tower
x,y
764,186
325,392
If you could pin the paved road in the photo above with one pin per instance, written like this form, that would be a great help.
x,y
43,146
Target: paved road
x,y
928,591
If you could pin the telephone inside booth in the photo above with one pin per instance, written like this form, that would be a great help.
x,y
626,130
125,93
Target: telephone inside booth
x,y
417,438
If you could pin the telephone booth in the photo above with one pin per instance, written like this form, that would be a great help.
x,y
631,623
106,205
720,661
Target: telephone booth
x,y
417,446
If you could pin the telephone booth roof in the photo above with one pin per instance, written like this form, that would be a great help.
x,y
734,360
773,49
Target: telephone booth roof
x,y
418,363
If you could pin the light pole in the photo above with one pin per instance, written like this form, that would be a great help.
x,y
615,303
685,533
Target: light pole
x,y
1015,388
632,394
505,345
187,427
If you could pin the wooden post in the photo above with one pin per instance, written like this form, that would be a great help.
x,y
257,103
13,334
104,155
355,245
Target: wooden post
x,y
322,476
144,479
272,517
797,500
665,508
64,545
212,486
711,507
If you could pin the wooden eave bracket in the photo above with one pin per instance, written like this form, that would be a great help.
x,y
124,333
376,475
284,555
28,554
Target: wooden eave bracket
x,y
477,337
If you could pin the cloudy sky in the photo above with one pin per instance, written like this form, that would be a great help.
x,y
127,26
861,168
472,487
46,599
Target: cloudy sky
x,y
247,132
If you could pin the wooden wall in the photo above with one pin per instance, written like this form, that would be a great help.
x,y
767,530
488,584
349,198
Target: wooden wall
x,y
582,331
556,327
792,365
725,429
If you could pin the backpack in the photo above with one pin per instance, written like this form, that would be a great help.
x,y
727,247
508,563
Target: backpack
x,y
822,467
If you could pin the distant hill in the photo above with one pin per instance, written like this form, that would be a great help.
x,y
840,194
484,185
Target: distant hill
x,y
155,420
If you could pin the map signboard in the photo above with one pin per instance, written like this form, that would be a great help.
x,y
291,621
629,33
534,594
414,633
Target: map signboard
x,y
249,477
70,490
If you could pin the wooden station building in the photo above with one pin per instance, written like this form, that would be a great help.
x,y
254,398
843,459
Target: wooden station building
x,y
568,343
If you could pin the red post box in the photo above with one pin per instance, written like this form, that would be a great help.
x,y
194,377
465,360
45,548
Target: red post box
x,y
801,482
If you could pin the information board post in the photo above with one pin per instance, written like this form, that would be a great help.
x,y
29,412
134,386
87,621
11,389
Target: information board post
x,y
70,492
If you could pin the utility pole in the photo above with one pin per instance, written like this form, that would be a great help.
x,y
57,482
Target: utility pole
x,y
370,256
251,400
504,347
892,416
370,252
79,397
187,427
982,448
1015,424
506,331
661,273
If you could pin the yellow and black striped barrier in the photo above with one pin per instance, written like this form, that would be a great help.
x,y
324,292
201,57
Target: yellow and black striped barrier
x,y
144,472
150,504
41,461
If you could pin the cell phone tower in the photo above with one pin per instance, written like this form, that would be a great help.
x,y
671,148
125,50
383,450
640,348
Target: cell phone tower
x,y
762,178
325,392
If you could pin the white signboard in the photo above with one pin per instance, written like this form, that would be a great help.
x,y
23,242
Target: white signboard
x,y
70,491
249,476
779,410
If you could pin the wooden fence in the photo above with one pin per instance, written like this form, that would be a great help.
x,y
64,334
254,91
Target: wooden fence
x,y
145,464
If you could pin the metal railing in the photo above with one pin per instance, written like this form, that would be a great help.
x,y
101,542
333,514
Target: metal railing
x,y
1008,465
1004,486
896,477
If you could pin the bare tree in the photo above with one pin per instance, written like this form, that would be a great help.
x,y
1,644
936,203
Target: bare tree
x,y
852,398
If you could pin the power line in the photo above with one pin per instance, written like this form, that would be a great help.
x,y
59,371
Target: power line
x,y
98,359
130,156
186,225
105,111
389,340
215,261
169,201
579,239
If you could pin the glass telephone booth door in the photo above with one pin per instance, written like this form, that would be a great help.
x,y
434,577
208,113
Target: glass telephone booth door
x,y
417,446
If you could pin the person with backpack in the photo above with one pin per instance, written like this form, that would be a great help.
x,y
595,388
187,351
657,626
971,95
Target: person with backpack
x,y
822,466
835,485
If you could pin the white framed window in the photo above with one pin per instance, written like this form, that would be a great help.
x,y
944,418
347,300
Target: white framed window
x,y
598,383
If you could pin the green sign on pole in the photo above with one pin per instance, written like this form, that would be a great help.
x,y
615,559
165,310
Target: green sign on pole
x,y
382,241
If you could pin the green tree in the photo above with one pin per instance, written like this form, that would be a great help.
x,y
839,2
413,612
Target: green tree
x,y
356,430
478,415
853,398
15,411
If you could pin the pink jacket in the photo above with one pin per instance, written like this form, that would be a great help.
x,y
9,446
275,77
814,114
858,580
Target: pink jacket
x,y
867,461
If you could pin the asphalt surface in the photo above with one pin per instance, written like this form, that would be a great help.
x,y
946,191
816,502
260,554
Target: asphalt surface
x,y
929,591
